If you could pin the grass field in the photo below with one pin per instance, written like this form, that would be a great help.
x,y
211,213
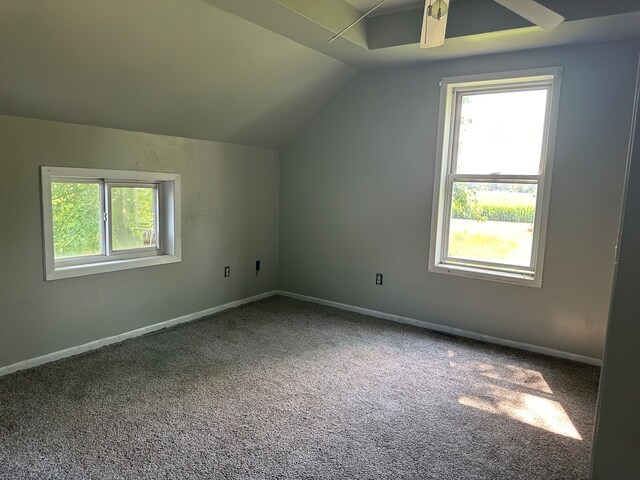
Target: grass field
x,y
500,242
494,241
505,198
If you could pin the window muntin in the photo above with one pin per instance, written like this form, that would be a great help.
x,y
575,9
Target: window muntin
x,y
96,221
491,196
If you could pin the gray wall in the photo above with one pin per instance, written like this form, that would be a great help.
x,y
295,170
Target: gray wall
x,y
617,436
172,67
229,217
356,191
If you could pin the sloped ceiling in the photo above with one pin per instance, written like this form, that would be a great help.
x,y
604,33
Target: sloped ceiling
x,y
175,67
388,5
474,27
242,71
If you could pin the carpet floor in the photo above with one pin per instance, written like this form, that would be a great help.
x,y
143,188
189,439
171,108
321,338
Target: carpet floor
x,y
288,389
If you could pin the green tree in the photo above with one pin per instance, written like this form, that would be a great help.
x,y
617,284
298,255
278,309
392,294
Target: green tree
x,y
465,203
76,219
132,217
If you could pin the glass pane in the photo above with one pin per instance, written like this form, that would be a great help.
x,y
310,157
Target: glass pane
x,y
493,222
76,219
133,221
501,132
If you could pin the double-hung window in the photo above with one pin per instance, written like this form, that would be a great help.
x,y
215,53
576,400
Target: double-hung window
x,y
97,221
493,175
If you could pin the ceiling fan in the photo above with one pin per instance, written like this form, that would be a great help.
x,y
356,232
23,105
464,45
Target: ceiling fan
x,y
434,23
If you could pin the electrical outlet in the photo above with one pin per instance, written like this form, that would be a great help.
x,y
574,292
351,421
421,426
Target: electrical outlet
x,y
227,272
378,279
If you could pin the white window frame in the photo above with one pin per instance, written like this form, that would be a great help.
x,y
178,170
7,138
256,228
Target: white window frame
x,y
167,222
452,89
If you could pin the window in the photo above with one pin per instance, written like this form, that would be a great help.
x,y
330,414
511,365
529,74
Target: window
x,y
97,221
493,177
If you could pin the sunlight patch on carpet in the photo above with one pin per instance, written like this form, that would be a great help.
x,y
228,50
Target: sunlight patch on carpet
x,y
530,409
516,375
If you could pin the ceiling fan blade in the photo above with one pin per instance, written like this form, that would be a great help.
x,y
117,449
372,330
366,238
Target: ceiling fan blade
x,y
534,12
433,30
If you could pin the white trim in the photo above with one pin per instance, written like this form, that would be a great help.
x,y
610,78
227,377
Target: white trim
x,y
517,278
549,78
69,352
110,266
477,80
458,332
128,175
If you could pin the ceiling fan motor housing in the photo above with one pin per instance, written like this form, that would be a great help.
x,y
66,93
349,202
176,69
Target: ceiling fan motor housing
x,y
438,9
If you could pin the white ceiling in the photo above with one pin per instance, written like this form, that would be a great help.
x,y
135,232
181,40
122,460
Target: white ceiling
x,y
479,27
176,67
250,71
366,5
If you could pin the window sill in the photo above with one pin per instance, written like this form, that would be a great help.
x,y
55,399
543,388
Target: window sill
x,y
112,266
491,275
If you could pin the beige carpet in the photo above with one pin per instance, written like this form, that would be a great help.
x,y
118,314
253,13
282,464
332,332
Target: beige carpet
x,y
286,389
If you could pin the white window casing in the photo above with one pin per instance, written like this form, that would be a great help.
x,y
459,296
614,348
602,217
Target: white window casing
x,y
167,248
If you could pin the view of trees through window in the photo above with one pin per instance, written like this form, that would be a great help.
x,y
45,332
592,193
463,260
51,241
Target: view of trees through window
x,y
77,218
500,137
132,217
493,222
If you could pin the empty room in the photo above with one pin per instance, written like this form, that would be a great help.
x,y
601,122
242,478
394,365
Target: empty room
x,y
320,239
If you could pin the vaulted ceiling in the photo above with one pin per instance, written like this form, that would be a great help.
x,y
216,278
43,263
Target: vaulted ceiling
x,y
175,67
243,71
390,35
388,5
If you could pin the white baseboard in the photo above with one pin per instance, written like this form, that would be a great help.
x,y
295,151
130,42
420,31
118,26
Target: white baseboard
x,y
69,352
449,330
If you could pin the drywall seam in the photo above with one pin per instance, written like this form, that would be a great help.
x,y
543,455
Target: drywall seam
x,y
449,330
69,352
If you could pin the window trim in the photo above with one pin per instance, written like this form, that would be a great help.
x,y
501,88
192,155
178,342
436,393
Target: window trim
x,y
168,222
443,178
